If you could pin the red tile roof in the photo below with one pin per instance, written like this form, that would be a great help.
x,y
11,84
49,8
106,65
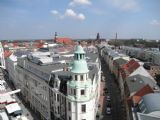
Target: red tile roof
x,y
7,53
129,67
67,41
140,93
39,45
15,44
145,90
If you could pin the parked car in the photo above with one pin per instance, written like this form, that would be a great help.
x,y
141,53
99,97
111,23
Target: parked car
x,y
105,90
108,98
108,104
108,110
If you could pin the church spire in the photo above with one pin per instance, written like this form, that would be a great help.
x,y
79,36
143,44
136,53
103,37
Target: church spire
x,y
55,37
98,36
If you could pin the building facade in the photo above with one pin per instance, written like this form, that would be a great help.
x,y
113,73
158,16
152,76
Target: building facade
x,y
67,90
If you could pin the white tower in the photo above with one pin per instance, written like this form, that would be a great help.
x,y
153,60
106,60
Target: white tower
x,y
81,99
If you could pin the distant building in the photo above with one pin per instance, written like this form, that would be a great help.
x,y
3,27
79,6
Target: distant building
x,y
65,41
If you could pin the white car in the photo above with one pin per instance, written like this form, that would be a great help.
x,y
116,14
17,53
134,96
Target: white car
x,y
108,98
108,110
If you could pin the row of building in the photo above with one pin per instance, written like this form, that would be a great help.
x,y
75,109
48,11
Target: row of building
x,y
139,90
147,55
58,82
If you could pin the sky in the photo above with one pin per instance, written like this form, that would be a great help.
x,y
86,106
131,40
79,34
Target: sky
x,y
39,19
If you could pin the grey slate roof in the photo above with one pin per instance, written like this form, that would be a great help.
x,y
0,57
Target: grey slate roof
x,y
137,82
152,102
47,69
120,61
146,117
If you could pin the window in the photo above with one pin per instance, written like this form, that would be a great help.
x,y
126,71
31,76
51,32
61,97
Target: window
x,y
54,96
76,77
70,91
69,106
80,56
82,92
83,108
74,91
76,56
58,110
81,77
57,97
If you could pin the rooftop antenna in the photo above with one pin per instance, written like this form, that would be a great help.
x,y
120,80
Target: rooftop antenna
x,y
115,40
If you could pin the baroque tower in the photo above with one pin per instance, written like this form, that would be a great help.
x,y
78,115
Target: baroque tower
x,y
81,101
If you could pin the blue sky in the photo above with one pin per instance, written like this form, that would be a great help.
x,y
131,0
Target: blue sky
x,y
34,19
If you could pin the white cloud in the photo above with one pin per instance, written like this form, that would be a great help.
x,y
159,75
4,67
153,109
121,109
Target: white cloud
x,y
80,2
125,4
155,22
70,14
54,12
81,16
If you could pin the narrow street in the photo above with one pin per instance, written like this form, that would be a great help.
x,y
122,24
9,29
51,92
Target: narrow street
x,y
114,93
26,110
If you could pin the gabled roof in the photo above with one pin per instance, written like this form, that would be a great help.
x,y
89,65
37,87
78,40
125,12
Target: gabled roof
x,y
140,70
137,82
145,90
140,93
129,67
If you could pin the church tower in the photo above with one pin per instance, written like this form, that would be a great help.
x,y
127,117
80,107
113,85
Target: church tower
x,y
55,37
98,40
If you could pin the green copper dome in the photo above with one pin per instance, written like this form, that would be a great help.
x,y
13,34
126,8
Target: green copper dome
x,y
79,67
79,50
79,64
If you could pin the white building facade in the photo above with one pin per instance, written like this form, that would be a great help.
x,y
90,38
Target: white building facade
x,y
2,59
